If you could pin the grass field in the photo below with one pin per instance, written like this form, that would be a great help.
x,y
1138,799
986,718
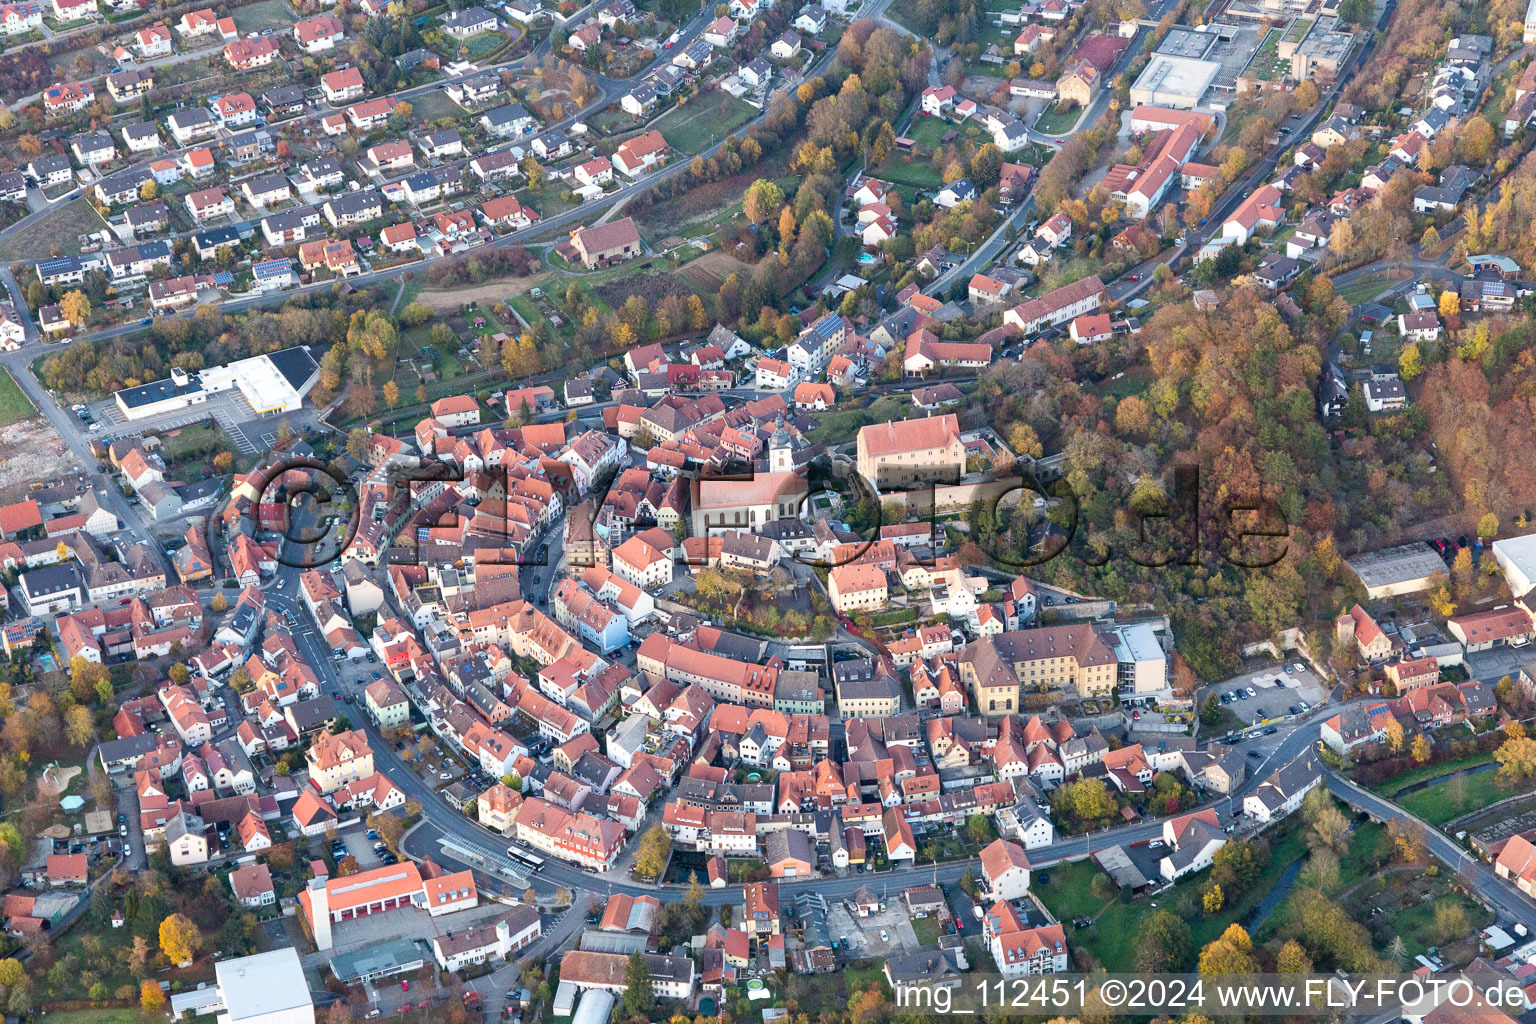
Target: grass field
x,y
111,1016
913,171
60,228
1365,289
14,406
430,106
259,17
929,132
696,127
927,930
1439,804
1398,783
482,44
1055,118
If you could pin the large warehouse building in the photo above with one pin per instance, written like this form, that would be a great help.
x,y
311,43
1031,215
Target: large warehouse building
x,y
268,988
273,383
1169,81
1406,569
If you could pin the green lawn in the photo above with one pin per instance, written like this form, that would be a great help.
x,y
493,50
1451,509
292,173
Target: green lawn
x,y
694,128
430,106
927,930
1365,289
1439,804
14,406
1068,893
914,171
259,17
115,1016
1054,119
482,44
929,132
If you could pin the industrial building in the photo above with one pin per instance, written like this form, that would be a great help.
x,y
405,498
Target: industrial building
x,y
273,383
267,988
1178,82
1517,560
1143,662
1406,569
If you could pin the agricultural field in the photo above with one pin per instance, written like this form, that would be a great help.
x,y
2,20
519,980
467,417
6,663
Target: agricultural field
x,y
709,271
652,286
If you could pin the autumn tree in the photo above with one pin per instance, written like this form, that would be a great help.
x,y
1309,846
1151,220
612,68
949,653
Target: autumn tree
x,y
75,307
78,726
761,199
1293,959
391,393
1393,734
1328,827
179,938
1232,953
1419,750
151,998
655,848
1517,759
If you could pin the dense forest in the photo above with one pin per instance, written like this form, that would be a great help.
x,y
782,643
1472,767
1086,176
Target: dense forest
x,y
1172,488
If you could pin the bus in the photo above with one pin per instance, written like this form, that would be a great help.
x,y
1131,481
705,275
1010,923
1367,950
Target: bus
x,y
531,860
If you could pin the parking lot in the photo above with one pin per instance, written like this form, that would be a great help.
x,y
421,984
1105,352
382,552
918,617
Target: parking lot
x,y
863,935
361,848
1275,692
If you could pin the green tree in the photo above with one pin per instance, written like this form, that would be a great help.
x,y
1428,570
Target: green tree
x,y
1164,944
980,828
639,995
